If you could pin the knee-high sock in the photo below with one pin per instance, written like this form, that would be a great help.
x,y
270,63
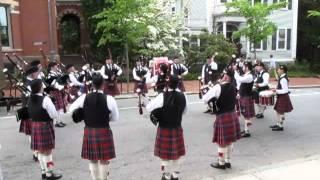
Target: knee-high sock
x,y
261,109
165,168
175,167
221,153
229,150
42,163
247,123
94,169
281,119
104,170
49,164
60,113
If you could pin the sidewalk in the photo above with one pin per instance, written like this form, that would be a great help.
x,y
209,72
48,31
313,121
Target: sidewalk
x,y
302,169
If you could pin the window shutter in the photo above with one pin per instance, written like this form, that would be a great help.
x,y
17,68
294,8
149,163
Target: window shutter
x,y
275,1
289,4
288,39
265,44
274,41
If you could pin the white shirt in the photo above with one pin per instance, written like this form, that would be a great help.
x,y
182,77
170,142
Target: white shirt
x,y
186,71
284,84
158,102
215,91
272,63
214,66
74,80
111,103
102,70
48,105
246,78
134,73
265,78
54,83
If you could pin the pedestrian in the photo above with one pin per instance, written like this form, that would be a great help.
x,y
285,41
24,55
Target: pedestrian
x,y
283,104
42,112
169,145
246,96
98,145
226,128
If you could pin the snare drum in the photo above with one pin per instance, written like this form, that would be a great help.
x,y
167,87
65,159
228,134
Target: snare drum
x,y
266,98
204,89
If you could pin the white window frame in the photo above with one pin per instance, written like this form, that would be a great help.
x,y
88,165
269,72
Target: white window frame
x,y
285,39
260,49
261,1
8,9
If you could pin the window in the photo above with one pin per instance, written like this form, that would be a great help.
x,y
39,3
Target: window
x,y
281,39
253,2
186,15
288,39
4,27
263,45
223,1
289,3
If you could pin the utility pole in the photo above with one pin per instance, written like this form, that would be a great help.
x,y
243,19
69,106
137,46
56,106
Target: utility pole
x,y
51,35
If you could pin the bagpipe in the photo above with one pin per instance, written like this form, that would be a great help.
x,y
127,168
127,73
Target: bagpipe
x,y
15,64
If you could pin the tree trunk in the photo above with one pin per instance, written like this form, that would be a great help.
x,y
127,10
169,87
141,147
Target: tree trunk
x,y
126,52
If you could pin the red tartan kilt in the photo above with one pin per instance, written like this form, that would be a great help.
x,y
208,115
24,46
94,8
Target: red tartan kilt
x,y
60,102
98,144
144,88
74,91
181,86
111,90
226,129
247,107
42,136
25,126
283,104
169,144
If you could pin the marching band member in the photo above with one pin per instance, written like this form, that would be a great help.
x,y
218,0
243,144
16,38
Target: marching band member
x,y
86,78
75,84
99,110
226,126
180,70
37,63
283,104
261,84
32,73
169,146
208,73
57,92
246,99
140,75
110,72
42,112
161,79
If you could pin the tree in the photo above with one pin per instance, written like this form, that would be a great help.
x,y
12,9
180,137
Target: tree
x,y
258,26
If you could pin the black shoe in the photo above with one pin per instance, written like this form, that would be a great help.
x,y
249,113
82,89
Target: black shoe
x,y
164,175
246,135
54,176
207,111
58,125
63,124
277,129
175,178
218,166
43,176
35,158
274,126
228,165
259,116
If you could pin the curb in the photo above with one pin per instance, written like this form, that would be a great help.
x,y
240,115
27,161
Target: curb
x,y
133,96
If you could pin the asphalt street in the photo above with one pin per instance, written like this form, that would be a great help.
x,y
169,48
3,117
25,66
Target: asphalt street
x,y
134,140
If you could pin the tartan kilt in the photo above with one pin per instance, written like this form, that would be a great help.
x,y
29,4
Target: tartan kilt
x,y
169,143
247,107
181,86
25,126
144,88
98,144
111,90
74,91
42,136
226,129
283,104
60,101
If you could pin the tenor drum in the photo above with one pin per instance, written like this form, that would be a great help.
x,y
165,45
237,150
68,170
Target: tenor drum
x,y
266,98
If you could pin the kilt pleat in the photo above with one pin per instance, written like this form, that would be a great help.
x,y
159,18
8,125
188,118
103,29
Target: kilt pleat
x,y
169,144
144,88
98,144
226,129
25,126
111,90
42,136
283,104
60,101
247,107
